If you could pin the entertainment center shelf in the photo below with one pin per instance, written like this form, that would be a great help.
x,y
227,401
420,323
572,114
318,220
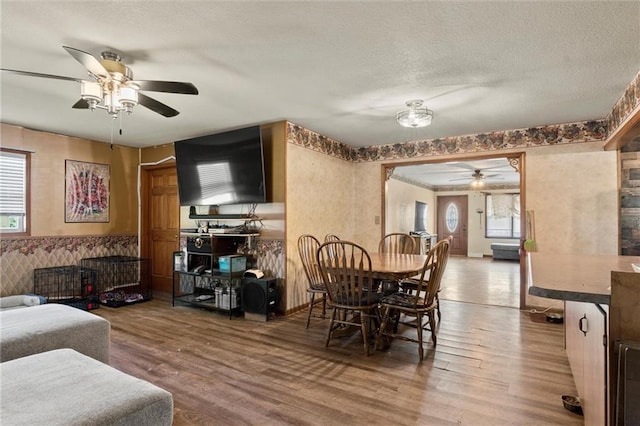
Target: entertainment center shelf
x,y
223,216
219,234
209,272
216,290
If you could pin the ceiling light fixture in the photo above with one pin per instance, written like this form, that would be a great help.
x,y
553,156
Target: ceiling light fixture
x,y
477,183
114,92
415,116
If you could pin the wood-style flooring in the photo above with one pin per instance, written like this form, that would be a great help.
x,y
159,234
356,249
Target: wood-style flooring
x,y
482,280
492,366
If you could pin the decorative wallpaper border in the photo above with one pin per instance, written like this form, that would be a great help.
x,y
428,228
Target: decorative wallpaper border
x,y
28,245
555,134
625,105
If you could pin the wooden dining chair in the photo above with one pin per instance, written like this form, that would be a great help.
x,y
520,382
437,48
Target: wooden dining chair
x,y
418,303
307,249
332,237
397,242
410,284
346,270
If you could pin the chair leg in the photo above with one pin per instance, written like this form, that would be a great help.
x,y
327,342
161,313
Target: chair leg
x,y
324,305
432,324
381,329
396,321
364,321
419,329
313,296
333,318
438,307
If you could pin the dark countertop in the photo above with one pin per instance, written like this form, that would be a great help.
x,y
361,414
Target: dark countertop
x,y
579,278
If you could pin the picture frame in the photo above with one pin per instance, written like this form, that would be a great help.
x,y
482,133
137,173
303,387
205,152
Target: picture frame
x,y
86,192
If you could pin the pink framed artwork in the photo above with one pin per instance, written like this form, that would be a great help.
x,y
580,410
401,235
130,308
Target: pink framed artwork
x,y
86,192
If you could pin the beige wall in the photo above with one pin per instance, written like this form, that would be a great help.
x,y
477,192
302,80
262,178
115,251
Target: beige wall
x,y
571,188
320,193
53,242
573,191
48,181
400,206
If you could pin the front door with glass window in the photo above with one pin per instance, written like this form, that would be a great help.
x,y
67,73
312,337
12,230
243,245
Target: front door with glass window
x,y
452,220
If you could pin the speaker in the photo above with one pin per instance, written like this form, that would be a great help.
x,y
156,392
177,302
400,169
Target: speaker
x,y
258,297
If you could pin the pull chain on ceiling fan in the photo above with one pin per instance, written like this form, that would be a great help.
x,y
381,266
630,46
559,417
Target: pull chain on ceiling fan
x,y
113,88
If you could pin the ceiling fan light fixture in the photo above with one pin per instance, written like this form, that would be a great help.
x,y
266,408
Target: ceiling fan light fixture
x,y
128,98
110,96
91,91
415,116
477,183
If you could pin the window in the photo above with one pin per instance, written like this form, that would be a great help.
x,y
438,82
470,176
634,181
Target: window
x,y
14,191
503,216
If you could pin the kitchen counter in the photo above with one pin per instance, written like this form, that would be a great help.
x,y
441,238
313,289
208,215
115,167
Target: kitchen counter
x,y
579,278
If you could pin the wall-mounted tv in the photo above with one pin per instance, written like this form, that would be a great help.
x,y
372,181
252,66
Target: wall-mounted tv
x,y
224,168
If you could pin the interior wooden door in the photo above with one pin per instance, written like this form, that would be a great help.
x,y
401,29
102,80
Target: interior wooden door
x,y
162,224
452,220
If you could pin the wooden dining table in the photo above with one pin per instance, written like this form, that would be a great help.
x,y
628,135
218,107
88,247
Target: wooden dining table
x,y
392,266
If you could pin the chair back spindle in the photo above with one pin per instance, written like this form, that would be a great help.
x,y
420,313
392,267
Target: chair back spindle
x,y
398,243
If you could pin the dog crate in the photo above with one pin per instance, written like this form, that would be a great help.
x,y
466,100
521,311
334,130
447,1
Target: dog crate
x,y
120,280
71,285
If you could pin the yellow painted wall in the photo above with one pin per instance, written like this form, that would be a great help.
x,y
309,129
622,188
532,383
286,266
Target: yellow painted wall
x,y
48,181
156,153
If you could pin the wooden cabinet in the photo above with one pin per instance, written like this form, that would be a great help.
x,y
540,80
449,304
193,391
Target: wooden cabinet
x,y
586,344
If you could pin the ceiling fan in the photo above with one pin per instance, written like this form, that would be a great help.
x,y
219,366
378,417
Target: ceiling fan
x,y
478,176
112,86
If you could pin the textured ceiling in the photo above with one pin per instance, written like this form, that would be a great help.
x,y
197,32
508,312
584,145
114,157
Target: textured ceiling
x,y
342,69
496,172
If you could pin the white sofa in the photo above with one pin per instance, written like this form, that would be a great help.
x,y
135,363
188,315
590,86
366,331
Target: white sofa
x,y
52,326
63,387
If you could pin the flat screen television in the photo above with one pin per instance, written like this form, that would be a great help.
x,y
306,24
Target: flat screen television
x,y
223,168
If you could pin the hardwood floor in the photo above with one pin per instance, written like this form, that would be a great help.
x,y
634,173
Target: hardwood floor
x,y
492,366
482,280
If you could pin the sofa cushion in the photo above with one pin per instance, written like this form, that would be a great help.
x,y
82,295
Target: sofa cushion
x,y
11,301
52,326
64,387
506,251
21,301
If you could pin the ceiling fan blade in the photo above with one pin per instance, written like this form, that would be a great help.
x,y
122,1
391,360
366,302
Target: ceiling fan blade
x,y
90,62
167,86
81,104
156,106
462,165
467,178
37,74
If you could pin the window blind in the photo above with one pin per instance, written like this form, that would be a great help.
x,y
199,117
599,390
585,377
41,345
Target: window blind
x,y
13,169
